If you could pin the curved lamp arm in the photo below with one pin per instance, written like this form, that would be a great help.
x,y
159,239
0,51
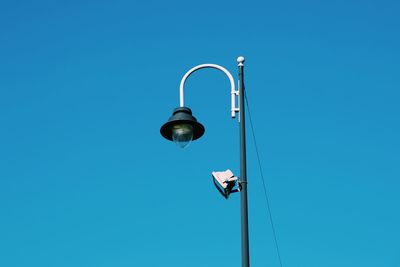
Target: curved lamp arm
x,y
234,92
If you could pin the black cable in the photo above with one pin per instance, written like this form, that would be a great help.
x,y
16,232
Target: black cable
x,y
264,186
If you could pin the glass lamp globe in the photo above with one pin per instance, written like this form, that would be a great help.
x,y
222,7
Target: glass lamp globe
x,y
182,134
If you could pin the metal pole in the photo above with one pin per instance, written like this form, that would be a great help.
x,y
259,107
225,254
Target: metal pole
x,y
243,169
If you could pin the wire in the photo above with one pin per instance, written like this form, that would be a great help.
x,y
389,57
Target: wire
x,y
264,185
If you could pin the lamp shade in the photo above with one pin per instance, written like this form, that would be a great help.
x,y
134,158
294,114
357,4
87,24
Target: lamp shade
x,y
182,127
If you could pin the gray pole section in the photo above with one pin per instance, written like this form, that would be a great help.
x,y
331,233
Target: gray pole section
x,y
243,171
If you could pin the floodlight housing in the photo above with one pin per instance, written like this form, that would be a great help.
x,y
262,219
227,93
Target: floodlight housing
x,y
225,182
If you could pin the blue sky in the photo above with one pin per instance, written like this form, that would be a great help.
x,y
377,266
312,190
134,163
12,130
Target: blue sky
x,y
87,180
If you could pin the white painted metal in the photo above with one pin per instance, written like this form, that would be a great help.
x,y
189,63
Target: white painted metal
x,y
224,178
240,61
234,92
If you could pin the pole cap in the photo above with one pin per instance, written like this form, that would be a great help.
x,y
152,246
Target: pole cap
x,y
240,60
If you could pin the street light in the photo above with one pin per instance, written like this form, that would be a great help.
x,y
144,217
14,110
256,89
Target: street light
x,y
182,128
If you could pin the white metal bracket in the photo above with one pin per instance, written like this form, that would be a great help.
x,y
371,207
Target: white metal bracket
x,y
234,92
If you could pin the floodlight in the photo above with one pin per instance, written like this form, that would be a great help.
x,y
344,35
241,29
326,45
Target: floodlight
x,y
225,182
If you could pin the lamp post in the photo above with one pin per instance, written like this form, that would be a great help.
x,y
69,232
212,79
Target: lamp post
x,y
182,128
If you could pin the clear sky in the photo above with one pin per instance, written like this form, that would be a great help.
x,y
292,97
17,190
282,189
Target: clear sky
x,y
87,180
